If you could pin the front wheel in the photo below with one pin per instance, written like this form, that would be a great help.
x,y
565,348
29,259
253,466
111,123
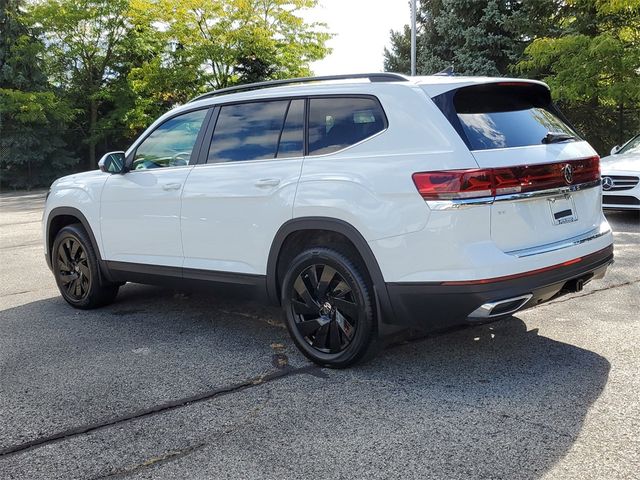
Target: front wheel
x,y
328,307
75,267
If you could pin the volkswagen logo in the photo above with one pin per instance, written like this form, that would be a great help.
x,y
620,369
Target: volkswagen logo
x,y
607,183
567,171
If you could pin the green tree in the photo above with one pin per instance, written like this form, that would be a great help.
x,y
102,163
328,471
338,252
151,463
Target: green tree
x,y
233,41
592,65
398,57
31,117
475,36
87,50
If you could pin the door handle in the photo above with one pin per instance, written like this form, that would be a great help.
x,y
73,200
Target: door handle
x,y
267,182
171,186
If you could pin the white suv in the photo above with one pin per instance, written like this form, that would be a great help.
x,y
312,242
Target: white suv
x,y
361,204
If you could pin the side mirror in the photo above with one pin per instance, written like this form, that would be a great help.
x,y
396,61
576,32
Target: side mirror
x,y
112,162
615,149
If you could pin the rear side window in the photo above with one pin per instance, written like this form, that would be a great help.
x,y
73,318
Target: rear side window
x,y
248,131
503,116
338,122
292,139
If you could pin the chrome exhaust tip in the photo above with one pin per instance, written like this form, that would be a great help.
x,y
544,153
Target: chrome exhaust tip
x,y
500,308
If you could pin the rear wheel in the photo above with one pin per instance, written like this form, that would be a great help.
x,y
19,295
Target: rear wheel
x,y
75,267
328,307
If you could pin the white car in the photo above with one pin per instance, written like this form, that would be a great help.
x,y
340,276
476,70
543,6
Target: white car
x,y
621,177
362,204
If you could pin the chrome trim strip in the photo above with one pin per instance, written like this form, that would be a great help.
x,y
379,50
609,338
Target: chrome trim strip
x,y
456,204
569,242
547,193
484,311
513,197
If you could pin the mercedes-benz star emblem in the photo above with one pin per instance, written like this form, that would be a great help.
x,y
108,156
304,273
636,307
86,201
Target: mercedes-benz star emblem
x,y
567,171
607,183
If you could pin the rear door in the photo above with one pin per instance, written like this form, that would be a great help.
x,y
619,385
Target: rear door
x,y
547,178
235,201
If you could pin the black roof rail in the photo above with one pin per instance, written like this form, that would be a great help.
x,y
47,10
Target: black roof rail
x,y
372,77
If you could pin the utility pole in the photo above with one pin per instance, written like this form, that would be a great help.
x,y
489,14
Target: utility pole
x,y
413,37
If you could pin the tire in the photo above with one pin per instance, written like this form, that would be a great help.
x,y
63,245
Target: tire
x,y
75,267
329,309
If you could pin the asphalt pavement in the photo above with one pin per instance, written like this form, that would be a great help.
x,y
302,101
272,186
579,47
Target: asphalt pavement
x,y
165,384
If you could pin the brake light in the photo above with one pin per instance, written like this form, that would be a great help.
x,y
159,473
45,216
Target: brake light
x,y
453,184
491,182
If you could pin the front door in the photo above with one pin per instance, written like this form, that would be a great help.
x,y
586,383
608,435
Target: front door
x,y
140,210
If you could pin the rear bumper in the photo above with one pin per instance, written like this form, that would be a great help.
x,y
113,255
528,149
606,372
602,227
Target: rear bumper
x,y
438,305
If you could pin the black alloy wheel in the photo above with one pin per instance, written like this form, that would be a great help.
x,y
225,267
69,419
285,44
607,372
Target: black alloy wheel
x,y
325,307
75,267
328,308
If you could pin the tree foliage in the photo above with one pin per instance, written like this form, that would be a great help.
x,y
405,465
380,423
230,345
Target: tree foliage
x,y
31,149
398,57
593,60
110,67
238,41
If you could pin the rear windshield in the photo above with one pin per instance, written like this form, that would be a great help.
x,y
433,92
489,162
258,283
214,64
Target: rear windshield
x,y
503,116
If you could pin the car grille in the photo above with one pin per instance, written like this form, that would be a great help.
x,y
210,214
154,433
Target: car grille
x,y
619,200
613,183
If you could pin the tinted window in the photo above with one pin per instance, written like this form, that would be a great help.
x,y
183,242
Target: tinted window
x,y
336,123
170,144
632,146
248,131
495,116
292,138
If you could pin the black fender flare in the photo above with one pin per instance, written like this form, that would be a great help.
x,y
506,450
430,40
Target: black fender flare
x,y
74,212
383,303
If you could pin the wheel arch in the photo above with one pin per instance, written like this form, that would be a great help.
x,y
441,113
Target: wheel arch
x,y
61,217
331,225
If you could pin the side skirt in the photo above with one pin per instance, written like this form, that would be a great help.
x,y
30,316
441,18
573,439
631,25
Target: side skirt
x,y
240,285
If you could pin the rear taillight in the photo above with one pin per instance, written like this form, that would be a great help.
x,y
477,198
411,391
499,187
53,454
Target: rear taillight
x,y
491,182
454,184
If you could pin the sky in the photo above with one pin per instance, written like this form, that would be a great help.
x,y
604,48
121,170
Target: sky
x,y
361,29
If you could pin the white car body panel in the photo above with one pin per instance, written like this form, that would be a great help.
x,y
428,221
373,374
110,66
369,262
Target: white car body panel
x,y
369,185
526,223
232,211
82,192
140,216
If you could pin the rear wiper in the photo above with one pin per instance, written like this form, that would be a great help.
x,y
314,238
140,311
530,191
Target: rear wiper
x,y
556,137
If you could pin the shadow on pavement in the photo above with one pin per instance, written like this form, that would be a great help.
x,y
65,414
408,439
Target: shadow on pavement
x,y
495,400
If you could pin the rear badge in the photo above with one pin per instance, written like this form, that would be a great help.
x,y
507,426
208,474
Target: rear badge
x,y
567,171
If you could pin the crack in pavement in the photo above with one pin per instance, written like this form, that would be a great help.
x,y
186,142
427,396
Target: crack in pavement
x,y
597,290
165,407
176,454
166,457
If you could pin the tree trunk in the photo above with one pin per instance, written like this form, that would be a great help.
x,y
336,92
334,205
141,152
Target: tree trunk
x,y
93,122
621,136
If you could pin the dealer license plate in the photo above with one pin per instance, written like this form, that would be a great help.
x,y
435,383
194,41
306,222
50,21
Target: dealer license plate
x,y
563,209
